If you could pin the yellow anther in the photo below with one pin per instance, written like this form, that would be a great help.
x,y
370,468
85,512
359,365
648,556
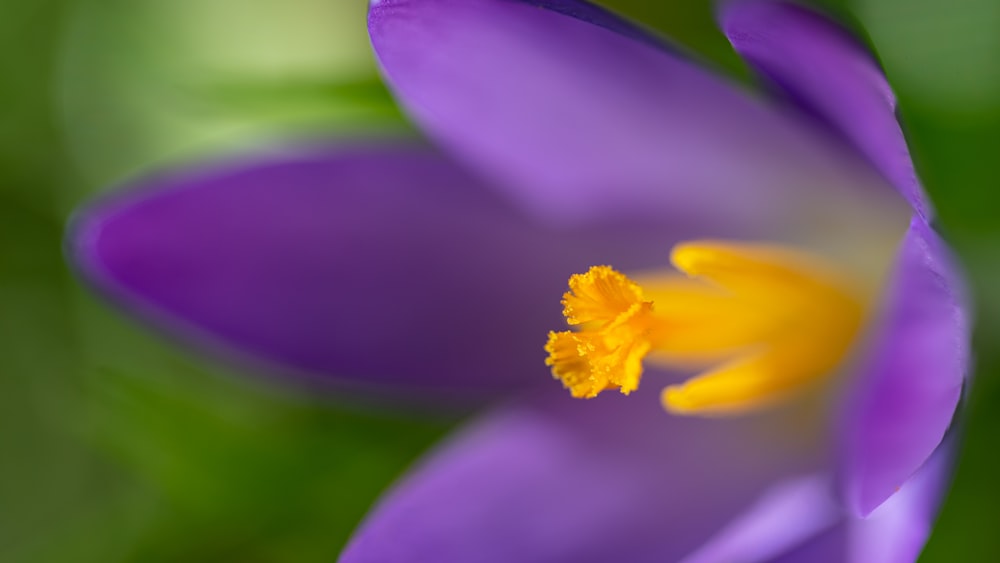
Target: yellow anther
x,y
599,296
761,322
608,350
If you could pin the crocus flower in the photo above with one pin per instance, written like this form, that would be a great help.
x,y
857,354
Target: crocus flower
x,y
572,142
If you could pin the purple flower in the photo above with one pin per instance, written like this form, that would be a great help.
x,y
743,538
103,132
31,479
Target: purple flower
x,y
573,139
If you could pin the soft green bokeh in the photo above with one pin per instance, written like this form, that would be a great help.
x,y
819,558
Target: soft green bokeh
x,y
116,446
942,54
148,82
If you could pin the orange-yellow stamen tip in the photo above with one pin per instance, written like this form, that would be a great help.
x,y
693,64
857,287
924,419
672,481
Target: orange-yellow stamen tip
x,y
607,351
762,322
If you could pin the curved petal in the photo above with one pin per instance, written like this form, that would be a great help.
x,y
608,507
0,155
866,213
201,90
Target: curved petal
x,y
897,531
558,479
830,74
800,520
787,518
578,120
907,389
382,265
829,546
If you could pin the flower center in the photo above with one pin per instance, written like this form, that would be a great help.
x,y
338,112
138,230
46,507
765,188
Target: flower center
x,y
762,322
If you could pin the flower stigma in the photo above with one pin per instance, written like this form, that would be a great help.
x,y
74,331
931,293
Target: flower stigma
x,y
759,322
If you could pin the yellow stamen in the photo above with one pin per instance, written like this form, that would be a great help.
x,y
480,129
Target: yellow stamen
x,y
607,353
762,322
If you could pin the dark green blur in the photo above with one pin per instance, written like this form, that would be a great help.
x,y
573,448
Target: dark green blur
x,y
115,446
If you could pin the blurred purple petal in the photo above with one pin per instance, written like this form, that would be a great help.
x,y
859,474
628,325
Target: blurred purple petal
x,y
832,75
578,120
381,265
911,387
907,390
612,479
829,546
788,515
897,531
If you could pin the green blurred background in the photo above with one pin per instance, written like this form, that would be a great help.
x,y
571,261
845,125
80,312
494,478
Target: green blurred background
x,y
114,446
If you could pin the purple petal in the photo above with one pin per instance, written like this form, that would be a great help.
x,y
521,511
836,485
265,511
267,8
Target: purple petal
x,y
579,119
897,531
611,479
800,521
790,514
909,386
380,265
830,74
830,546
